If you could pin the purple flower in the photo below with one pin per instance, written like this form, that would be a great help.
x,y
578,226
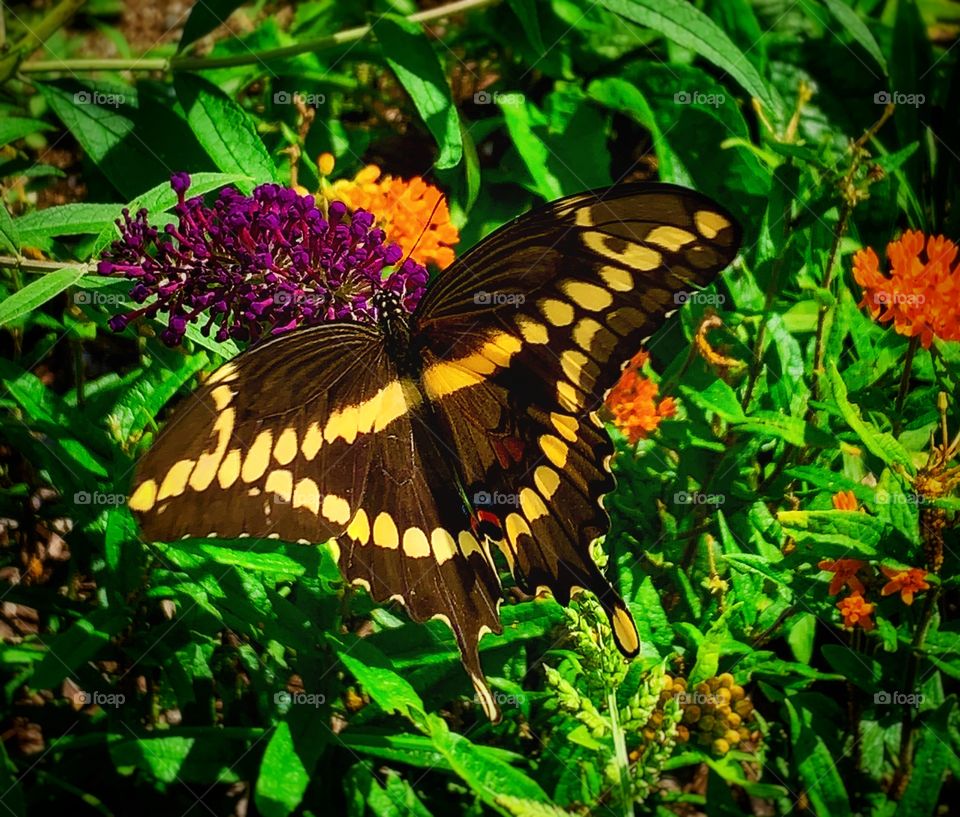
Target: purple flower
x,y
256,266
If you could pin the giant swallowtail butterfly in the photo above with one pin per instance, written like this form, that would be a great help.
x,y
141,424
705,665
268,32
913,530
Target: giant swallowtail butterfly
x,y
392,439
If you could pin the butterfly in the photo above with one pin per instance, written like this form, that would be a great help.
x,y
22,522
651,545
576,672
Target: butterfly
x,y
420,444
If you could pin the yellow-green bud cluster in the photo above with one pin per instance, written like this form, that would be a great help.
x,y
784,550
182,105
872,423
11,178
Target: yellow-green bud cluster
x,y
716,713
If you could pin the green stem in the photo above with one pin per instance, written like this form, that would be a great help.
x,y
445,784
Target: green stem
x,y
620,752
37,35
12,262
905,378
187,63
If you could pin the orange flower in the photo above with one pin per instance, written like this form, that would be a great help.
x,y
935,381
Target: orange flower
x,y
905,582
845,501
856,610
632,401
922,292
411,212
844,575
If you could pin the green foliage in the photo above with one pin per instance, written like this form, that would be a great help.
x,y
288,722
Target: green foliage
x,y
243,674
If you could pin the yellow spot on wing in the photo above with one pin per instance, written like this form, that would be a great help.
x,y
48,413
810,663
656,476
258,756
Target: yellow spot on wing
x,y
225,374
359,529
343,423
336,509
554,449
532,331
516,526
579,368
385,532
617,278
444,546
229,469
258,457
589,296
709,223
565,425
207,464
222,395
441,379
415,543
306,494
175,482
280,482
312,441
532,505
500,347
468,543
633,255
568,396
286,448
547,480
669,237
558,312
625,632
144,497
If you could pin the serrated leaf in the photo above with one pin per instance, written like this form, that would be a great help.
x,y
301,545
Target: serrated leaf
x,y
66,219
410,56
817,767
16,127
224,129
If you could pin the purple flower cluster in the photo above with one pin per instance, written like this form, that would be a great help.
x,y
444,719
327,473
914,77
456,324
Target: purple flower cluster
x,y
256,266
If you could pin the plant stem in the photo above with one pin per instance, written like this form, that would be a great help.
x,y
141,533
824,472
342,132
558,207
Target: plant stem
x,y
37,35
31,265
908,727
188,63
620,752
905,379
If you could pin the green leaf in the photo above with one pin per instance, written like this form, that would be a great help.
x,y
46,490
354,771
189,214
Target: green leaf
x,y
879,443
373,670
686,25
409,54
520,121
283,780
13,797
526,11
856,28
848,530
9,236
933,758
66,219
37,293
226,132
77,645
719,398
204,17
265,556
792,429
817,768
16,127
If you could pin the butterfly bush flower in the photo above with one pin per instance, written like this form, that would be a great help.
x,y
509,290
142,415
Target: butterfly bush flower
x,y
920,295
256,266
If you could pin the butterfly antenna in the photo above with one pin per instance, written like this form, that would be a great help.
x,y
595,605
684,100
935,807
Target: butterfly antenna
x,y
426,227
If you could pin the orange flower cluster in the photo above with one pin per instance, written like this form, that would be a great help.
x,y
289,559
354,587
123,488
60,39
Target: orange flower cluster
x,y
921,295
633,401
855,609
411,212
905,582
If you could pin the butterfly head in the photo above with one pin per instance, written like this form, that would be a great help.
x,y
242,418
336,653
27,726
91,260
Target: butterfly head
x,y
393,321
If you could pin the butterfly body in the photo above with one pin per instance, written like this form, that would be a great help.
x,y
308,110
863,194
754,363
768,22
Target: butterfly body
x,y
423,443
